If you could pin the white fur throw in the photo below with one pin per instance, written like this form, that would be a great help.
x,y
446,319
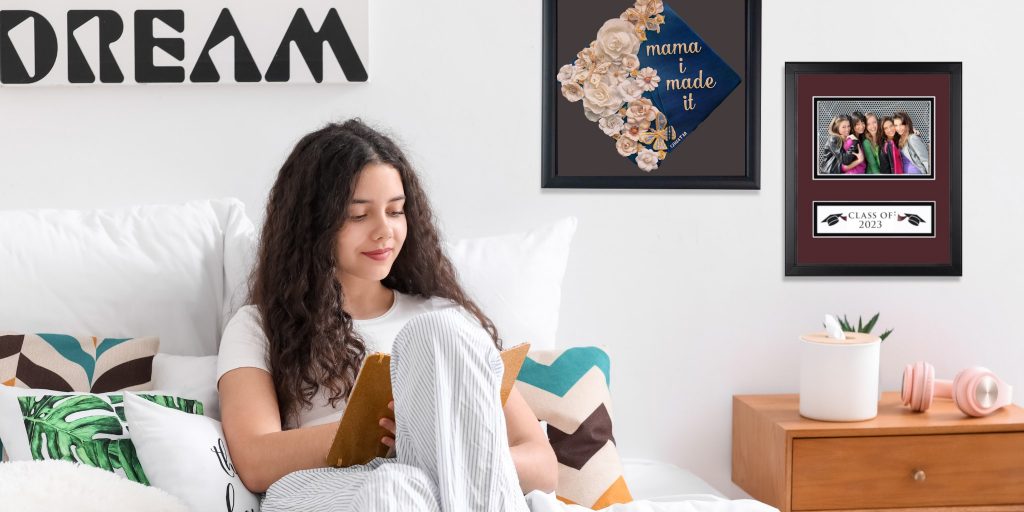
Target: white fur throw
x,y
31,486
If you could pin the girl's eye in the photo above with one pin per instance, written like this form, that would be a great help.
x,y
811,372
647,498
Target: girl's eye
x,y
357,217
396,214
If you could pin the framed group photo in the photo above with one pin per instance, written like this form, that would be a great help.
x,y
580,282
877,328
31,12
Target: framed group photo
x,y
873,168
651,94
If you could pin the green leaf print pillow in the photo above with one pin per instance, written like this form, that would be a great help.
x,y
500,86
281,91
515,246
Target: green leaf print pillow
x,y
79,427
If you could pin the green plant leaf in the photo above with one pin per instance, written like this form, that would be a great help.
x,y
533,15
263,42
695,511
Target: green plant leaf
x,y
871,323
53,436
173,402
843,324
122,453
860,324
886,334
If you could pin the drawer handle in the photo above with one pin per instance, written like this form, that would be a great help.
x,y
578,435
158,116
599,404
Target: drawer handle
x,y
919,475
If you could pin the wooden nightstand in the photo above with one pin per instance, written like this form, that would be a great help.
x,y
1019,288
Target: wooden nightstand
x,y
931,461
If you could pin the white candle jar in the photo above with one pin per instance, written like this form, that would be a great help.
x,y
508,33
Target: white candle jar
x,y
839,378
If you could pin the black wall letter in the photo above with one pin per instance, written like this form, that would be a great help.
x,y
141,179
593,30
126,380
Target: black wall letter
x,y
245,66
12,70
111,28
145,71
310,45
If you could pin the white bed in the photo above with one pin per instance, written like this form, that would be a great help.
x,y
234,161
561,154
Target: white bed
x,y
180,271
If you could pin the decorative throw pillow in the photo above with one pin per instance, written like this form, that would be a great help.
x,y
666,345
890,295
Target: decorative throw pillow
x,y
79,427
61,362
569,390
185,455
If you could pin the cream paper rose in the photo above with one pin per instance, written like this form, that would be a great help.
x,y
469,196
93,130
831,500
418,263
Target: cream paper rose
x,y
642,110
617,37
630,90
572,91
630,62
600,100
626,146
611,125
647,160
566,74
588,56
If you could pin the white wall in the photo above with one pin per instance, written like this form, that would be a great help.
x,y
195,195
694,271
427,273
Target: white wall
x,y
685,287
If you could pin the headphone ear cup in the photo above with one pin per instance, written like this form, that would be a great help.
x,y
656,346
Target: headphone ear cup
x,y
906,390
928,393
918,385
964,391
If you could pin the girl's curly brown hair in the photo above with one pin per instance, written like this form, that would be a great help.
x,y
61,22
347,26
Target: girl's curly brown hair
x,y
311,343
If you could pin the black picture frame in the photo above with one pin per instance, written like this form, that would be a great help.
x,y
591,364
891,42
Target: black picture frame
x,y
750,178
793,73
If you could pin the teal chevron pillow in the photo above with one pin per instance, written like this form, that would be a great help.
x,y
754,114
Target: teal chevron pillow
x,y
86,428
60,362
569,389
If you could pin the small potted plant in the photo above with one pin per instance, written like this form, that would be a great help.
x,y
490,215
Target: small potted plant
x,y
839,371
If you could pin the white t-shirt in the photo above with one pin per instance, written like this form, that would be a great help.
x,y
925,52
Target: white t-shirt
x,y
244,345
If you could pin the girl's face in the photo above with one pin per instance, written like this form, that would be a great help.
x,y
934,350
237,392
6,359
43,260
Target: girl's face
x,y
844,128
889,129
374,230
872,125
858,128
900,127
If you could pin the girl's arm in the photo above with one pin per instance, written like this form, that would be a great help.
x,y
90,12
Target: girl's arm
x,y
261,452
921,149
858,161
531,452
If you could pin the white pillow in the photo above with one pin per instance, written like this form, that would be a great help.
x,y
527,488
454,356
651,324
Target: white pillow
x,y
185,455
517,279
173,271
189,376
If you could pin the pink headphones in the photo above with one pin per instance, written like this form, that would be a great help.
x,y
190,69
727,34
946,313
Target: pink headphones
x,y
976,391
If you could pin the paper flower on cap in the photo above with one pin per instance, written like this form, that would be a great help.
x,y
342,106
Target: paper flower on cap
x,y
647,77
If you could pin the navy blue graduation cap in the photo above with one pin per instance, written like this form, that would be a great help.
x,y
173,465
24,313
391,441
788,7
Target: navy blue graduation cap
x,y
687,98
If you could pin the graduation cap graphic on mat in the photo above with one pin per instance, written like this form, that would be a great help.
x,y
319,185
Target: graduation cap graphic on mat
x,y
648,80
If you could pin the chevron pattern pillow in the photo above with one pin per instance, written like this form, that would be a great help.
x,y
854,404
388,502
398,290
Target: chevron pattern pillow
x,y
569,389
60,362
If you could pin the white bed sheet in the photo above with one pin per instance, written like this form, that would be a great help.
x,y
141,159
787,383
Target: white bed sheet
x,y
652,479
658,487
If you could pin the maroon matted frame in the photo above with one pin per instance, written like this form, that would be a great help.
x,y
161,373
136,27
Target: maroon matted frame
x,y
911,255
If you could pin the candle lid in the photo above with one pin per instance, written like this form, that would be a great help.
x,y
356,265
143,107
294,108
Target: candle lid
x,y
852,338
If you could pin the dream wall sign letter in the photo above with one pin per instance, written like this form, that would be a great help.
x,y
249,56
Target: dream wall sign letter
x,y
183,41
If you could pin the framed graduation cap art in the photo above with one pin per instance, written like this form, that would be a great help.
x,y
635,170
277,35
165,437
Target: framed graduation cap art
x,y
651,94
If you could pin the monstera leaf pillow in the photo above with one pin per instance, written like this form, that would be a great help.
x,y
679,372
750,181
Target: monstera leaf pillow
x,y
79,427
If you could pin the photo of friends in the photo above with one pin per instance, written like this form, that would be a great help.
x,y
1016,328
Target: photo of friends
x,y
873,137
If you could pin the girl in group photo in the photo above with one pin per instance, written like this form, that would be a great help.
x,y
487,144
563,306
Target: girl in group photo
x,y
842,153
889,159
871,142
913,149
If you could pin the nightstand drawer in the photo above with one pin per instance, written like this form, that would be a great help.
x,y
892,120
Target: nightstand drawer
x,y
879,471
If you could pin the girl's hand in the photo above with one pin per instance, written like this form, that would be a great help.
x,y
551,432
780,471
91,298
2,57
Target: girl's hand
x,y
851,137
389,425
